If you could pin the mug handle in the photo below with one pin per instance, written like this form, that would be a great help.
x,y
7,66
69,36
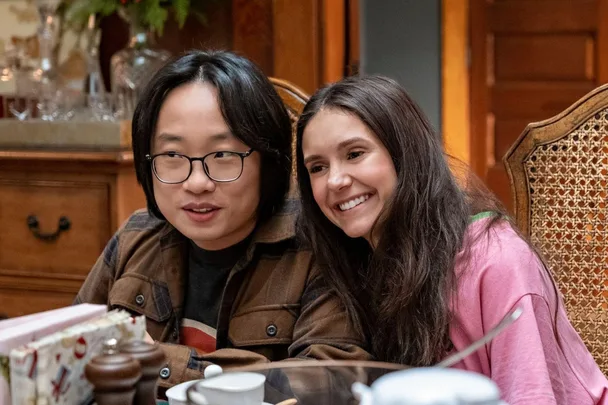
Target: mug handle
x,y
195,397
362,393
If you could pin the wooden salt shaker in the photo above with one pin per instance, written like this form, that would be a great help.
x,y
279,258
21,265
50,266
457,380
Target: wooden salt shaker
x,y
151,359
113,375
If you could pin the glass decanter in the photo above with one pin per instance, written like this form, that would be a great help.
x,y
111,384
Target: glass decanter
x,y
45,77
133,66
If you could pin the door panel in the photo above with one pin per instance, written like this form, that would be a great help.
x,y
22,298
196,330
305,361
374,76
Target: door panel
x,y
542,16
525,57
530,60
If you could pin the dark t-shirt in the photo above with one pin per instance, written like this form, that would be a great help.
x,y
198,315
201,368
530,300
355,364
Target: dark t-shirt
x,y
208,272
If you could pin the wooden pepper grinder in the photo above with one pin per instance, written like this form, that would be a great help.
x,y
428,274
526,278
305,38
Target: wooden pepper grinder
x,y
113,375
151,359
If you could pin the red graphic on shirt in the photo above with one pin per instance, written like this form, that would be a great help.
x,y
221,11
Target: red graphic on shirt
x,y
198,335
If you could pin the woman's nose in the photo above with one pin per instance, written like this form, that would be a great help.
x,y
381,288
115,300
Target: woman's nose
x,y
338,179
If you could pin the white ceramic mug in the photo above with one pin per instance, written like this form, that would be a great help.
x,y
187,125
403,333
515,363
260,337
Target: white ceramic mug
x,y
177,394
238,388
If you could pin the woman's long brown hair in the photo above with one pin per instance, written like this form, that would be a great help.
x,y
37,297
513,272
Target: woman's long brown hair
x,y
398,293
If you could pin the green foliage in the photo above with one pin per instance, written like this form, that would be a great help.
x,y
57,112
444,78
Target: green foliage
x,y
181,9
151,14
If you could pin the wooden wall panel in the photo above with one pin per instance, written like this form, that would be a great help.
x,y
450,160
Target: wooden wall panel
x,y
555,57
303,42
252,22
602,42
535,100
543,16
215,34
296,43
505,133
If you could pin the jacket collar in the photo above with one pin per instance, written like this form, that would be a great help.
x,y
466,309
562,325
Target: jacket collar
x,y
174,248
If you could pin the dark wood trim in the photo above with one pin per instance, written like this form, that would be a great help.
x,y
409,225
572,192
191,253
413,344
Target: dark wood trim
x,y
352,58
602,42
478,87
333,40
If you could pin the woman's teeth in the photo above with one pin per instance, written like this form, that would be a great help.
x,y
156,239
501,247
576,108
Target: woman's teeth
x,y
353,203
202,210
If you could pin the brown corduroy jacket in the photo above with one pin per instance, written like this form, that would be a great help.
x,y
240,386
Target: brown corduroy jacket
x,y
275,304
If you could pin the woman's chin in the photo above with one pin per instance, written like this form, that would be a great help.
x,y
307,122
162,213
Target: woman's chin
x,y
356,233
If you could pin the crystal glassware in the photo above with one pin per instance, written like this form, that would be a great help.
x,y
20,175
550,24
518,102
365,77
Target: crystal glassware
x,y
133,66
45,76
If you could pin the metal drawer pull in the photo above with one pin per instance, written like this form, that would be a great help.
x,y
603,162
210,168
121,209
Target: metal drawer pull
x,y
34,225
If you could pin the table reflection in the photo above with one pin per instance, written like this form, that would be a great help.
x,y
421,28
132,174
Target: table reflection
x,y
312,382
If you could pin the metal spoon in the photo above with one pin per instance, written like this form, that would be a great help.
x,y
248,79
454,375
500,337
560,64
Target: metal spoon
x,y
473,347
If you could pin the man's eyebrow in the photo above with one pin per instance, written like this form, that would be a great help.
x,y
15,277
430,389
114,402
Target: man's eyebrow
x,y
222,136
167,137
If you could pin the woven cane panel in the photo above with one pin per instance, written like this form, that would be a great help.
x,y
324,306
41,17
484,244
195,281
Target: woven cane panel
x,y
568,222
293,116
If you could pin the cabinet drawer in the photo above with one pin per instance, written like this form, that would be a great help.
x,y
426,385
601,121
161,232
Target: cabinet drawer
x,y
72,253
13,302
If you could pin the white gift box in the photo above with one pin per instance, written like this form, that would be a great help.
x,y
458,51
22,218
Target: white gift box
x,y
50,370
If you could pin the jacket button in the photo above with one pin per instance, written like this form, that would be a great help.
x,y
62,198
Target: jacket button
x,y
139,299
271,330
165,373
175,334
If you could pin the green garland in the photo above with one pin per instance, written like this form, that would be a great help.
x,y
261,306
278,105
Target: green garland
x,y
151,14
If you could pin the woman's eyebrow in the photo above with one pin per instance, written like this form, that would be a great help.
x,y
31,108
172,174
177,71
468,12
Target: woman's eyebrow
x,y
350,141
310,158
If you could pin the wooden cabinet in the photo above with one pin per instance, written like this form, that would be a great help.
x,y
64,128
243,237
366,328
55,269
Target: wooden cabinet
x,y
89,193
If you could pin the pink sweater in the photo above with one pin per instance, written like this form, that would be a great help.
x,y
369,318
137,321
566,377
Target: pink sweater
x,y
525,360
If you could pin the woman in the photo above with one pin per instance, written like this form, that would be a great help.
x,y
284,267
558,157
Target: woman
x,y
213,262
426,265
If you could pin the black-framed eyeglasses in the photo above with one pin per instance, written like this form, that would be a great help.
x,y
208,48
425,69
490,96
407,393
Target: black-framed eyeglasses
x,y
220,166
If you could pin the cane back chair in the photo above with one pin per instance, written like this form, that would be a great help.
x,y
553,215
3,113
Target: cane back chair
x,y
559,172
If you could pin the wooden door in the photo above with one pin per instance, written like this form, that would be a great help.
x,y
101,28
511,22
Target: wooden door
x,y
530,59
305,42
